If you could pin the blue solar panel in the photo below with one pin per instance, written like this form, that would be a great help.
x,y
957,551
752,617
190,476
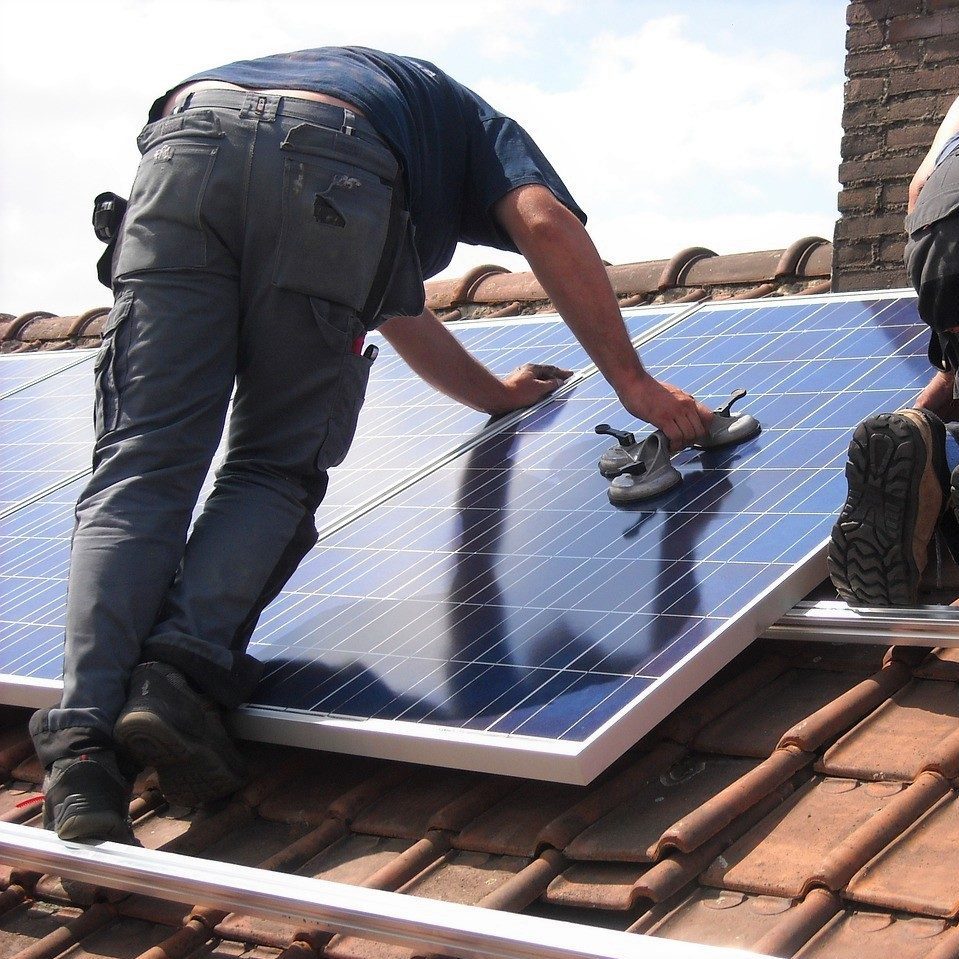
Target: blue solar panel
x,y
406,424
503,594
48,436
46,426
22,369
500,605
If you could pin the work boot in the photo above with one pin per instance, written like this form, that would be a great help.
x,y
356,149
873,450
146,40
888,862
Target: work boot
x,y
87,797
168,725
898,483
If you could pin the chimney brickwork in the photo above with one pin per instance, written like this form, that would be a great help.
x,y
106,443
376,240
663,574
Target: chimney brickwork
x,y
902,69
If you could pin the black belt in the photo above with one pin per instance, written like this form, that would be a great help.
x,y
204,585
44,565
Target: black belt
x,y
263,105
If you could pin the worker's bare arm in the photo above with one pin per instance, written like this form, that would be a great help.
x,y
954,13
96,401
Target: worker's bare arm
x,y
438,357
565,261
948,127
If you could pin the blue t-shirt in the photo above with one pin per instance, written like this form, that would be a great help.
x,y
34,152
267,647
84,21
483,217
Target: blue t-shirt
x,y
459,155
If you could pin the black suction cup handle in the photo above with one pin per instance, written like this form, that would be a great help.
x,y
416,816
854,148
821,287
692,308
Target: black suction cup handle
x,y
735,397
625,439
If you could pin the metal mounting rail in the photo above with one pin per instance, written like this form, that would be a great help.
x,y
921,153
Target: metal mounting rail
x,y
834,622
426,925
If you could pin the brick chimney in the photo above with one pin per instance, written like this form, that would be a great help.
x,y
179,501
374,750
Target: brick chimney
x,y
902,69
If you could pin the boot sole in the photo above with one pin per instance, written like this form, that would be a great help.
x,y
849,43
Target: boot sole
x,y
871,558
189,772
79,817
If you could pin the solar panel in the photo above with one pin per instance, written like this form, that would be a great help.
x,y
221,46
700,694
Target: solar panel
x,y
22,369
46,425
47,439
500,614
406,424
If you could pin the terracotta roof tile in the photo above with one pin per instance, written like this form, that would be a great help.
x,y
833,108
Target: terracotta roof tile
x,y
941,663
899,738
489,290
635,830
854,934
596,885
785,853
756,724
917,871
765,924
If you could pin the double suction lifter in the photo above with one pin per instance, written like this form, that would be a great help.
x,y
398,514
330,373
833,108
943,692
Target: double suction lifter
x,y
641,470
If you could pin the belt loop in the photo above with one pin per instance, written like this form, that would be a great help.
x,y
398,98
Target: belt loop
x,y
260,106
184,104
349,118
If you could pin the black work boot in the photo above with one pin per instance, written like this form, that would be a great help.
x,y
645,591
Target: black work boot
x,y
87,797
168,725
898,485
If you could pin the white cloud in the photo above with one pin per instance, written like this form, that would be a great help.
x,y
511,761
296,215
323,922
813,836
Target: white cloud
x,y
664,141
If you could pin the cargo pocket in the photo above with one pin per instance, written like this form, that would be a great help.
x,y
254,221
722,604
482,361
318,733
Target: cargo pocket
x,y
109,369
335,217
163,228
349,385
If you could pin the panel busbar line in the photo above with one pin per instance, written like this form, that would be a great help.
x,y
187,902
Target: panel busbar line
x,y
501,615
46,426
405,424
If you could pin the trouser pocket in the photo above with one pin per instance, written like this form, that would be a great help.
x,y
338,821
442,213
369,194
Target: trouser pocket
x,y
163,229
109,369
335,216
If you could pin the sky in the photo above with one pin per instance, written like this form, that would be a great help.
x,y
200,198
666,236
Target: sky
x,y
674,124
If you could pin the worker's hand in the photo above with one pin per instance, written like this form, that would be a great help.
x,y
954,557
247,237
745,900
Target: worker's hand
x,y
936,396
528,384
919,181
680,416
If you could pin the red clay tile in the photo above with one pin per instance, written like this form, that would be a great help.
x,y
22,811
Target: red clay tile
x,y
724,694
18,802
528,885
348,782
271,933
607,794
352,947
595,885
512,826
474,802
941,663
257,842
781,854
714,814
411,862
833,718
917,872
29,923
464,877
755,725
633,831
407,810
677,870
354,858
896,740
852,935
733,919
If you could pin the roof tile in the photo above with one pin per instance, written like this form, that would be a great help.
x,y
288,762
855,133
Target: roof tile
x,y
737,920
854,934
781,855
898,739
633,831
596,885
917,871
755,725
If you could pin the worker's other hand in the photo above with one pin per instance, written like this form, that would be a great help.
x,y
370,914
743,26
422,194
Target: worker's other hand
x,y
680,416
919,181
529,383
937,397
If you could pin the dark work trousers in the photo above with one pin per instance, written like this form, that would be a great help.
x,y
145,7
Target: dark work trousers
x,y
256,229
932,248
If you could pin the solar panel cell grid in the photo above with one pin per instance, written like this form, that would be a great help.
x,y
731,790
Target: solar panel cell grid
x,y
507,572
